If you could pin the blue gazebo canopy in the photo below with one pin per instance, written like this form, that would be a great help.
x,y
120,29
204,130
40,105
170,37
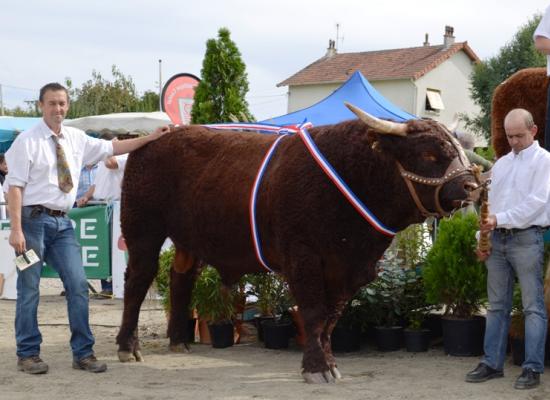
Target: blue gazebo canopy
x,y
11,126
356,90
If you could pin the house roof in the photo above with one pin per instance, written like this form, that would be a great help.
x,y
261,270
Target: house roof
x,y
408,63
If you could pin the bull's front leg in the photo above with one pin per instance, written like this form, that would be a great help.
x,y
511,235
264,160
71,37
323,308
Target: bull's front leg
x,y
334,311
315,368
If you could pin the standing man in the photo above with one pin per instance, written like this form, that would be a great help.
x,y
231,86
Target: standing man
x,y
519,193
45,163
541,36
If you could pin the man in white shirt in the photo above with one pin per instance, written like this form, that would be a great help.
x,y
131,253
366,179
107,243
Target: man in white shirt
x,y
541,36
107,187
518,196
45,163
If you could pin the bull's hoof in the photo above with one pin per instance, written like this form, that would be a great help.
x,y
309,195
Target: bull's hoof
x,y
318,377
180,348
126,356
335,373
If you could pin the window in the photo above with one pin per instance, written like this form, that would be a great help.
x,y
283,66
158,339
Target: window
x,y
433,101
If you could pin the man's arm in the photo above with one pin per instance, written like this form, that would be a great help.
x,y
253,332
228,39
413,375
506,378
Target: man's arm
x,y
86,197
129,145
15,201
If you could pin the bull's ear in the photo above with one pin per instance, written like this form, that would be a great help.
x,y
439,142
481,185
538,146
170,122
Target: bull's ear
x,y
379,125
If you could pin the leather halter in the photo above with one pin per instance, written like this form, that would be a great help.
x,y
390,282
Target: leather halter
x,y
459,166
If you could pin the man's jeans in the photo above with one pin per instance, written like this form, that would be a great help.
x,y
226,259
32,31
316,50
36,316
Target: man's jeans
x,y
53,239
519,253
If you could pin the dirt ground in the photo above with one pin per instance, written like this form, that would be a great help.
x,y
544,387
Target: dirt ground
x,y
246,371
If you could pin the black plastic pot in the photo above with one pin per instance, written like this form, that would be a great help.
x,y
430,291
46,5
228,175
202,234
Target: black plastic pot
x,y
417,340
258,320
517,345
463,337
345,338
221,334
276,333
389,338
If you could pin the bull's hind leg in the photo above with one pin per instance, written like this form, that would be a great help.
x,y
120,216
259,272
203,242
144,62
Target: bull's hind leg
x,y
142,268
182,277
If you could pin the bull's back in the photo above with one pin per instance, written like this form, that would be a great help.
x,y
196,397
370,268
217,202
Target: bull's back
x,y
195,184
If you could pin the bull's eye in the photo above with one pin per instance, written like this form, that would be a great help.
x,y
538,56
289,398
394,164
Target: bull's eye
x,y
426,156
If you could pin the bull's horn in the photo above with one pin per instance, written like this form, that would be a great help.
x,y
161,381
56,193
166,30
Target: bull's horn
x,y
379,125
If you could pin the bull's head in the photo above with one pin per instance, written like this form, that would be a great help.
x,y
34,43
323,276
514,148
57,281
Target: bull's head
x,y
430,160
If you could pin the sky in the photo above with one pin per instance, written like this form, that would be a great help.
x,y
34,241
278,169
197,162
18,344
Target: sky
x,y
45,41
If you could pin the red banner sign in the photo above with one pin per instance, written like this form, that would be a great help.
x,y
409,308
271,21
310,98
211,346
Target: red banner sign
x,y
177,97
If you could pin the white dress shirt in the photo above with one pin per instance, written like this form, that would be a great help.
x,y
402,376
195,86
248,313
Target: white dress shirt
x,y
520,188
543,29
108,181
32,163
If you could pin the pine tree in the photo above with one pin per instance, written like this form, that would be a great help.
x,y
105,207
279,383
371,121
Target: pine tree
x,y
220,96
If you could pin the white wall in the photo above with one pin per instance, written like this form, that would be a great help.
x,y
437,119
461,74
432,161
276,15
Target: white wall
x,y
452,79
306,95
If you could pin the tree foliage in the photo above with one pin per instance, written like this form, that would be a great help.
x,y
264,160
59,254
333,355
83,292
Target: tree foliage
x,y
220,96
99,96
517,54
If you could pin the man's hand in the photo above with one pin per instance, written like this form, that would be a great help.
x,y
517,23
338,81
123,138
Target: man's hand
x,y
159,132
82,201
17,241
482,255
488,224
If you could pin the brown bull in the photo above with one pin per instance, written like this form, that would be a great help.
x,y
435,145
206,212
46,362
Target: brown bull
x,y
524,89
194,186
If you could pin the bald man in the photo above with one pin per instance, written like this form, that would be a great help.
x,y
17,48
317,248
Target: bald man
x,y
519,192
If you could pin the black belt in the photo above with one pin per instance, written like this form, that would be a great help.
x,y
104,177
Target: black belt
x,y
37,209
511,231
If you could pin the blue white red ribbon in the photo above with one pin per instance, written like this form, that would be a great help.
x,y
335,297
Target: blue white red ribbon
x,y
252,208
342,186
301,130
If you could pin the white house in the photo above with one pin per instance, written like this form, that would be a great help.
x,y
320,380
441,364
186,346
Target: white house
x,y
427,81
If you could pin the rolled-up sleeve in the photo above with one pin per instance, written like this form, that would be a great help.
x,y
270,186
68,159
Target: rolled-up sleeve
x,y
19,162
96,150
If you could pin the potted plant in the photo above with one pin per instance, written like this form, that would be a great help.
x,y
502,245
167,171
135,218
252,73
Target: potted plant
x,y
385,295
415,311
456,279
273,301
346,335
214,303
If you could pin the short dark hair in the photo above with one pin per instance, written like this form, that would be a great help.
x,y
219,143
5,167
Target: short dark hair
x,y
2,157
54,87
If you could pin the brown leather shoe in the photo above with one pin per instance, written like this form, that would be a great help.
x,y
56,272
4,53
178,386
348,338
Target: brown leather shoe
x,y
32,365
90,364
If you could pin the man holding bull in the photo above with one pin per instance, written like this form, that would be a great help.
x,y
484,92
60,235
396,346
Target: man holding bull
x,y
520,192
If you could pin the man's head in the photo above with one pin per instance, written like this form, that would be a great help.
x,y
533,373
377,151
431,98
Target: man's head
x,y
3,164
54,103
520,129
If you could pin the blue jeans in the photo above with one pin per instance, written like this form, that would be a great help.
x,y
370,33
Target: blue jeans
x,y
520,254
53,239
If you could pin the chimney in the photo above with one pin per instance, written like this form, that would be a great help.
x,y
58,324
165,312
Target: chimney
x,y
426,43
331,50
448,38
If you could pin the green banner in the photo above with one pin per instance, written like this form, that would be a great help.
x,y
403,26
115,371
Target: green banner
x,y
91,225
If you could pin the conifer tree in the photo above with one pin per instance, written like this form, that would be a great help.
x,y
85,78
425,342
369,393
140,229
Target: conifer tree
x,y
220,96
